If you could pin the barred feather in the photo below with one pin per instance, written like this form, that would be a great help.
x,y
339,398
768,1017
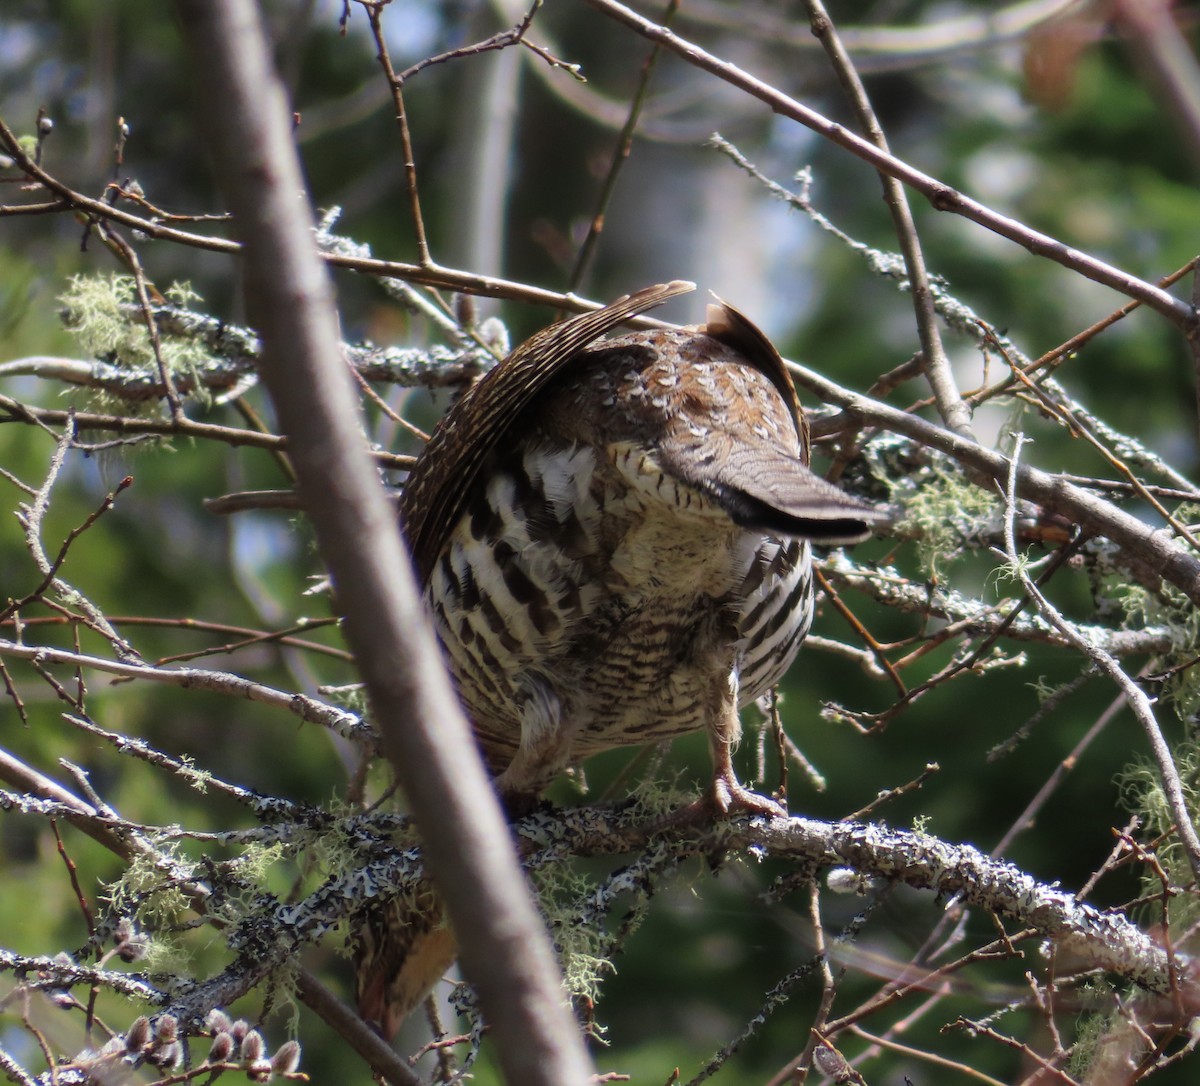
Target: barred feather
x,y
614,541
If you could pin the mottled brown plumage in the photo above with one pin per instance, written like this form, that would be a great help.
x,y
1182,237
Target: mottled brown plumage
x,y
613,538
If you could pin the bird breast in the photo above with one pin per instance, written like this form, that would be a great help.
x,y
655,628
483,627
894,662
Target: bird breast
x,y
586,583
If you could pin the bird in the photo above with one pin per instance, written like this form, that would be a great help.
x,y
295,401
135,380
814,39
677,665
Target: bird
x,y
613,538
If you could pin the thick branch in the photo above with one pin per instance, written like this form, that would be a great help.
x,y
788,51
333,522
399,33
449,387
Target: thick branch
x,y
275,932
81,815
1153,553
1102,938
505,949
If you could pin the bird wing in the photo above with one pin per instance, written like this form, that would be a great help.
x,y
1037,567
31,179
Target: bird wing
x,y
438,484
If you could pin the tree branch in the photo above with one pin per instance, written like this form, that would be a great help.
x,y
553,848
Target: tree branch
x,y
505,949
942,196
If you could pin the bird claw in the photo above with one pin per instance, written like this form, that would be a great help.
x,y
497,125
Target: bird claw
x,y
725,799
729,797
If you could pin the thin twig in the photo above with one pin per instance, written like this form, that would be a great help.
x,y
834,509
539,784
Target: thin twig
x,y
889,794
246,635
50,573
15,411
514,35
1138,701
375,18
868,639
620,156
925,1056
1065,415
1053,358
1028,817
129,255
1141,544
953,410
943,197
895,46
32,517
346,724
797,1069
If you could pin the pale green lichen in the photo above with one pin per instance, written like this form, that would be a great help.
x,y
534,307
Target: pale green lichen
x,y
1171,609
352,697
582,948
1094,1031
948,514
1142,793
155,903
1045,690
165,956
145,893
255,864
102,313
153,893
577,909
199,779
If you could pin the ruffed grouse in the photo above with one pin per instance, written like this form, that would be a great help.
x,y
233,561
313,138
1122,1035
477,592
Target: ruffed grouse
x,y
613,539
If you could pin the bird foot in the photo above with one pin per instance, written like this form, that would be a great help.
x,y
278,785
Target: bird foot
x,y
729,797
726,798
